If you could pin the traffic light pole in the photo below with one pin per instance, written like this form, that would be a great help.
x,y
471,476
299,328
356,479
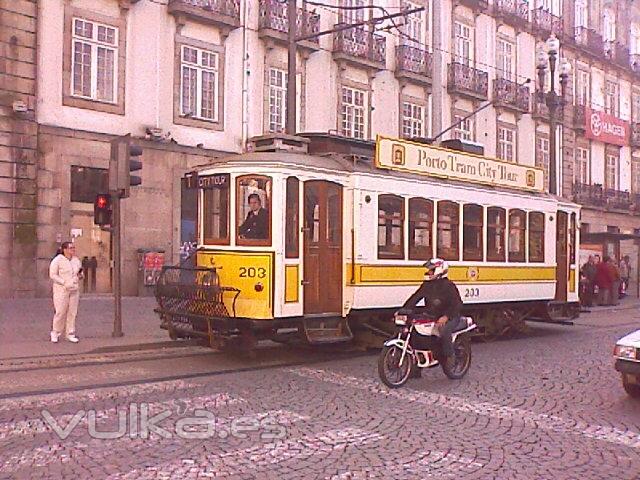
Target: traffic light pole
x,y
117,268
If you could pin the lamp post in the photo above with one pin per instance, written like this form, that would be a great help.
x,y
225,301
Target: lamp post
x,y
552,100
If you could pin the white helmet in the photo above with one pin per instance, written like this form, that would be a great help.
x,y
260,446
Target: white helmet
x,y
436,268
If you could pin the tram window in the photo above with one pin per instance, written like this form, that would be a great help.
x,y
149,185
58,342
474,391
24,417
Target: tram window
x,y
496,228
292,219
420,229
253,213
472,230
215,216
536,237
517,229
448,230
390,226
572,239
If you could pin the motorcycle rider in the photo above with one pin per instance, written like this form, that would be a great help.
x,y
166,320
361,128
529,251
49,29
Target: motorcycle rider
x,y
441,300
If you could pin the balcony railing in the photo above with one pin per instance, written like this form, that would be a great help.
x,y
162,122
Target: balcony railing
x,y
222,12
589,40
273,16
547,23
598,196
509,94
467,80
361,44
512,11
476,5
635,134
579,117
414,61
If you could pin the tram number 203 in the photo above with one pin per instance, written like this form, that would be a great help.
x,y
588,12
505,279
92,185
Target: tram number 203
x,y
471,292
252,272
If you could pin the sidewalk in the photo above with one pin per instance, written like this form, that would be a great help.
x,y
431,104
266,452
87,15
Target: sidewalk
x,y
627,311
25,325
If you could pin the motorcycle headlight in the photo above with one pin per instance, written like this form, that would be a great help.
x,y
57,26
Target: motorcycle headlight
x,y
401,319
623,351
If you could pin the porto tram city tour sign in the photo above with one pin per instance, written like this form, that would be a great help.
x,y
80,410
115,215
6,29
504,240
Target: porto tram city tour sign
x,y
406,156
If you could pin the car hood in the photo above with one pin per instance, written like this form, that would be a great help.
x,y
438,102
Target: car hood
x,y
631,340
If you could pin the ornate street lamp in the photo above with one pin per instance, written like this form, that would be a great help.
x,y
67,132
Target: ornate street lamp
x,y
553,101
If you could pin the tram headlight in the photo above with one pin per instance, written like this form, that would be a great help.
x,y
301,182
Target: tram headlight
x,y
623,351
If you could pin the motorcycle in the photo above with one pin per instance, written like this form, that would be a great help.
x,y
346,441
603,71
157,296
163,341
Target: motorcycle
x,y
417,346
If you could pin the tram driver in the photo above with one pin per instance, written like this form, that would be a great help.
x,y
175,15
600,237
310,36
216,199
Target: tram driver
x,y
441,301
256,225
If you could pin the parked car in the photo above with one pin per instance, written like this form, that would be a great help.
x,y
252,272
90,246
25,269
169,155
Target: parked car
x,y
627,355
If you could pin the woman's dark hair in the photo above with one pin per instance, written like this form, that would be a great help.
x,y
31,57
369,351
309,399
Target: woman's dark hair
x,y
65,245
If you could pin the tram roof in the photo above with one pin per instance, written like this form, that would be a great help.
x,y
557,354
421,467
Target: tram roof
x,y
355,164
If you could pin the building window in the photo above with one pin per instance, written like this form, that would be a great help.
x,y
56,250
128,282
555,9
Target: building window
x,y
609,25
292,219
448,230
87,182
581,14
536,237
215,215
496,228
464,129
517,230
612,98
635,107
582,88
415,26
390,227
507,144
413,120
253,210
353,116
277,99
505,60
612,163
94,63
420,229
199,89
635,175
542,157
354,12
581,166
634,37
472,232
463,42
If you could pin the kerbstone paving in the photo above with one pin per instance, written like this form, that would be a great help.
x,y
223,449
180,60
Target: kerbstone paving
x,y
545,405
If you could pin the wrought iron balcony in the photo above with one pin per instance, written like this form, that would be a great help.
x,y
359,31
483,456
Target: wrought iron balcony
x,y
360,46
539,109
598,196
579,117
590,41
635,134
511,95
275,24
468,81
547,23
414,63
224,13
514,12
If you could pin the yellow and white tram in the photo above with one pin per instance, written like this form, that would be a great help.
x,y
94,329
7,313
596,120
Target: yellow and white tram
x,y
338,243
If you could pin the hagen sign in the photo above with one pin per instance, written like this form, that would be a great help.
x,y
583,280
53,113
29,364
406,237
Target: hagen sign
x,y
606,128
436,162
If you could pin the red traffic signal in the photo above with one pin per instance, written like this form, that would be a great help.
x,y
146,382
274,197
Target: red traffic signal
x,y
102,209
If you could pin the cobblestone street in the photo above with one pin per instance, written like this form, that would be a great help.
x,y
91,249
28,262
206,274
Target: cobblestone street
x,y
548,405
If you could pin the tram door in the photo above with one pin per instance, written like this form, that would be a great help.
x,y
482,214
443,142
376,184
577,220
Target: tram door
x,y
562,270
322,247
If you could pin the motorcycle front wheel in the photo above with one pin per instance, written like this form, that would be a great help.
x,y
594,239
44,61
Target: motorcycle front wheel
x,y
458,366
392,374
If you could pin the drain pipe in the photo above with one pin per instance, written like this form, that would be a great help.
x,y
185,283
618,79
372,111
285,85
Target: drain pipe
x,y
245,78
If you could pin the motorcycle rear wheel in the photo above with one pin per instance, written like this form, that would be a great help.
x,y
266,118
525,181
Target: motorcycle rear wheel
x,y
392,374
459,366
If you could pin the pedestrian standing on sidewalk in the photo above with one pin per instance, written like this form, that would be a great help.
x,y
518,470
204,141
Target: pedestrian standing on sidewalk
x,y
615,282
588,273
604,281
625,273
65,271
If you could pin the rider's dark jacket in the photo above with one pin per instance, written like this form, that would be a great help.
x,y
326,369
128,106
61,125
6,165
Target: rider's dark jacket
x,y
441,297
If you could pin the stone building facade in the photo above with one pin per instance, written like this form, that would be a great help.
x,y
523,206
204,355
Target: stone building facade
x,y
194,80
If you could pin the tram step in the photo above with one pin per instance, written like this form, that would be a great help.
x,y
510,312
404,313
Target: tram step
x,y
327,330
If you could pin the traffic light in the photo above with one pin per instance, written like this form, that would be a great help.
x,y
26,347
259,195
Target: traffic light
x,y
102,210
124,161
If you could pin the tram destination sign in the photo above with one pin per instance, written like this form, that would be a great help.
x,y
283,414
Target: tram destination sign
x,y
401,155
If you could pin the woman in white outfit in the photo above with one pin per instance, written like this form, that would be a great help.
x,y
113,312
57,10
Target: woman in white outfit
x,y
65,272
